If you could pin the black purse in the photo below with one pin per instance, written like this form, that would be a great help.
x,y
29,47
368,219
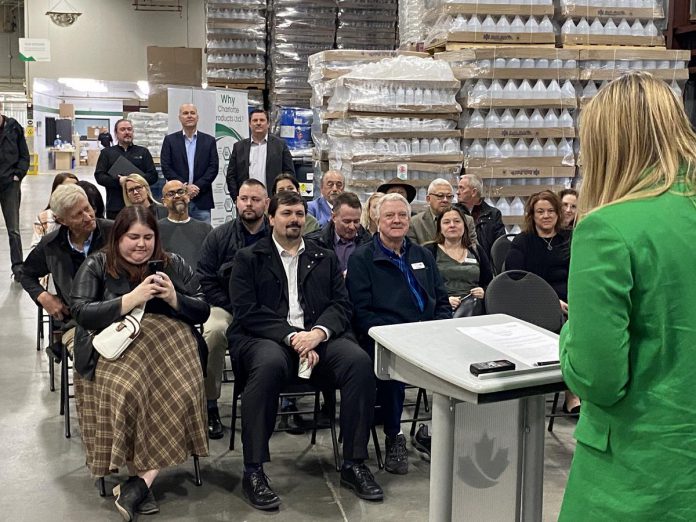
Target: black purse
x,y
469,306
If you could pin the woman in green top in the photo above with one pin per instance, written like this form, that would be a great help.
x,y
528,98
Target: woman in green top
x,y
465,268
629,346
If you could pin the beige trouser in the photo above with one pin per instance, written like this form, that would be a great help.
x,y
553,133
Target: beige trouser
x,y
215,335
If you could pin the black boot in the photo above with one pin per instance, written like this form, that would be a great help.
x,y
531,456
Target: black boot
x,y
129,496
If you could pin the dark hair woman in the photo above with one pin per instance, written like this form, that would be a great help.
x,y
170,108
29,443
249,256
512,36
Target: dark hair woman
x,y
144,410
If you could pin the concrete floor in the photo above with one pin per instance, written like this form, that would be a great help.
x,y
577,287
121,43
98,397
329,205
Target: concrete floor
x,y
43,476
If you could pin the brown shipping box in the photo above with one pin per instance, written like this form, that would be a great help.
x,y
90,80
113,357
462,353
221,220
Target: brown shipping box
x,y
66,110
175,65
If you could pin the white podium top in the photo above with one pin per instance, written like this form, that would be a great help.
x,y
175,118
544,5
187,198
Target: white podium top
x,y
436,356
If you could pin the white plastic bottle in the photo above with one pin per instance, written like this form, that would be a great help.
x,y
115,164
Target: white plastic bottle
x,y
506,149
551,120
503,206
517,207
415,146
550,149
535,149
510,90
536,120
583,27
418,96
521,119
565,119
507,120
521,149
425,146
475,120
492,120
590,90
475,150
539,90
492,150
569,27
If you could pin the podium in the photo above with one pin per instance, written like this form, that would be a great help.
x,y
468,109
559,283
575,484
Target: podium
x,y
487,459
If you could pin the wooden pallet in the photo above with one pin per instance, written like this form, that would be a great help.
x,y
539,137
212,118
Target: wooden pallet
x,y
221,84
442,46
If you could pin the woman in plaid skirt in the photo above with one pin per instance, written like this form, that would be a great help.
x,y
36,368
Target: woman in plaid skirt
x,y
145,410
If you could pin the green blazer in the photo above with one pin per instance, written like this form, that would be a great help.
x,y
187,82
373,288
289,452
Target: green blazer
x,y
629,351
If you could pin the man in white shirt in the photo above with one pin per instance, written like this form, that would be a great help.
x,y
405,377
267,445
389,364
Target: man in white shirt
x,y
290,304
262,156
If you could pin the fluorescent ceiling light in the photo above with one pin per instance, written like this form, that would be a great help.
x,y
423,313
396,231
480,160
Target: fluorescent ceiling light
x,y
83,84
144,87
140,95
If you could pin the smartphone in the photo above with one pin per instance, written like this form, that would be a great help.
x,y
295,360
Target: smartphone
x,y
155,266
501,365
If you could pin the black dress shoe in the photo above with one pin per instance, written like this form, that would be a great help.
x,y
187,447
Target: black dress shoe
x,y
54,352
214,424
293,424
573,411
422,441
257,491
129,496
148,506
359,478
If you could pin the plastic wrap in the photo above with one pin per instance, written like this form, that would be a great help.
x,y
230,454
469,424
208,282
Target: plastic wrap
x,y
598,31
149,129
519,152
669,65
629,9
411,26
482,94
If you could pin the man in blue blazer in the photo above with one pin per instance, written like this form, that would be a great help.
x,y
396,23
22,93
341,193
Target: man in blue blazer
x,y
263,156
191,156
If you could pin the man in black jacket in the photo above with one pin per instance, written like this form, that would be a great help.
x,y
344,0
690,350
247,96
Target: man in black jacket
x,y
61,252
214,265
392,280
489,220
344,233
262,156
139,156
291,308
14,163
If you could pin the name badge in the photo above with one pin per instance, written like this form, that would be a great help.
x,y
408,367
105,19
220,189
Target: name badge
x,y
417,266
471,260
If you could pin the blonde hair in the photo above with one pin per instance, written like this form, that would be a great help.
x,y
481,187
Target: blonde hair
x,y
365,218
634,136
137,178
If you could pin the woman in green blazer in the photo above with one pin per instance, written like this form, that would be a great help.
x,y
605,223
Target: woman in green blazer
x,y
629,346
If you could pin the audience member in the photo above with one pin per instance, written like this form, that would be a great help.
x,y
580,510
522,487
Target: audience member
x,y
105,139
180,233
214,265
569,204
14,164
627,348
398,186
136,191
262,156
465,270
45,221
344,233
368,219
113,176
287,181
332,184
392,280
422,228
143,411
290,304
191,156
96,201
61,252
488,219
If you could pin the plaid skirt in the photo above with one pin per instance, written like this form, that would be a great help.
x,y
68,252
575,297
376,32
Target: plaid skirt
x,y
147,407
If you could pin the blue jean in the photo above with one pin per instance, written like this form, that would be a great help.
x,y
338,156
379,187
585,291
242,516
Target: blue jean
x,y
10,198
199,213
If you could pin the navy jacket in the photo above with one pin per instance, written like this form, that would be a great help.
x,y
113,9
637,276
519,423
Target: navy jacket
x,y
14,154
380,294
205,164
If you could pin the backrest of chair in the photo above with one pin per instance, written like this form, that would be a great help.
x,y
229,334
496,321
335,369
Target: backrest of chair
x,y
525,296
499,251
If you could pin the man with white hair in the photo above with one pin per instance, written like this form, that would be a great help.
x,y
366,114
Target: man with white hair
x,y
332,184
488,219
423,228
392,280
61,252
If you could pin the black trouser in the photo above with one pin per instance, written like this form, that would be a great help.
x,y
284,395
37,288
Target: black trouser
x,y
10,198
268,367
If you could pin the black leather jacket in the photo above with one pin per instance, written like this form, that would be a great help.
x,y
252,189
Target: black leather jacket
x,y
96,302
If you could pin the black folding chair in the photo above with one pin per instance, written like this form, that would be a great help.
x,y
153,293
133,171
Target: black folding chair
x,y
499,251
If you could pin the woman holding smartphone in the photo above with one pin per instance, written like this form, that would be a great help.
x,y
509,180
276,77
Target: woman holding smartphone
x,y
628,348
145,410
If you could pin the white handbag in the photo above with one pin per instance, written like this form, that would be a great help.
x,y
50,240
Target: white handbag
x,y
113,340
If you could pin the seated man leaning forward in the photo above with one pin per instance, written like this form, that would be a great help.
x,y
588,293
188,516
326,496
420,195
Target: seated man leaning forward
x,y
391,280
290,304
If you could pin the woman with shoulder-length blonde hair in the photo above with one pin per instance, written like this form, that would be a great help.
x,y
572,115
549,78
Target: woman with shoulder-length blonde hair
x,y
368,218
628,347
136,191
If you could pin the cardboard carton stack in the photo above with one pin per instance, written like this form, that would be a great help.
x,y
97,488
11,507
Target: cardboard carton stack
x,y
366,24
518,120
236,43
395,117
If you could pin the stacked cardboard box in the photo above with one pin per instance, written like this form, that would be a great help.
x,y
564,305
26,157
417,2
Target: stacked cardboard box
x,y
518,121
396,117
236,42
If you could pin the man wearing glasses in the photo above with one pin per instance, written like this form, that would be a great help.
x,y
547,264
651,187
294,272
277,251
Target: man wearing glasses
x,y
332,184
179,232
440,195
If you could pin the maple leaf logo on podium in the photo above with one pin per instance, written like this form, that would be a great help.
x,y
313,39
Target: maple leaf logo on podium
x,y
485,468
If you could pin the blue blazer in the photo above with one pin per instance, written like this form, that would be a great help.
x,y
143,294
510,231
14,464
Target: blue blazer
x,y
205,165
320,209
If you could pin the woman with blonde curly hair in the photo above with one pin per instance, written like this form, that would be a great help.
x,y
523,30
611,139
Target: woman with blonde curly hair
x,y
628,347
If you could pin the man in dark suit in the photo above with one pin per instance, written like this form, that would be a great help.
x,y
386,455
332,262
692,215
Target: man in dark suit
x,y
190,156
262,156
139,156
290,305
489,220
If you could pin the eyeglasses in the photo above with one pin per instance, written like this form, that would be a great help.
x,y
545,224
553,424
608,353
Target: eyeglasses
x,y
133,190
172,193
442,196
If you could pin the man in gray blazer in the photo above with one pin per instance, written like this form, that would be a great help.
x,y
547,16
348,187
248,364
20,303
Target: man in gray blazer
x,y
262,156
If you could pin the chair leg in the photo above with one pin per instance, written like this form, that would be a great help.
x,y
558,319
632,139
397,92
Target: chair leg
x,y
378,450
197,471
553,411
51,363
426,406
39,329
416,410
102,487
315,421
233,423
65,388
